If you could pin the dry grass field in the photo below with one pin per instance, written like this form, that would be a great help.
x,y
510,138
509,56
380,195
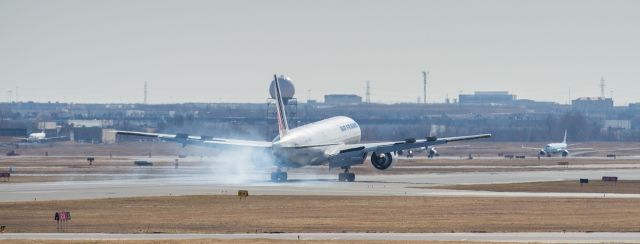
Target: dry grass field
x,y
239,241
594,186
265,214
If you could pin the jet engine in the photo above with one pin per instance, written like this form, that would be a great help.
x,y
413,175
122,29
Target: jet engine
x,y
565,153
433,152
543,153
348,158
382,161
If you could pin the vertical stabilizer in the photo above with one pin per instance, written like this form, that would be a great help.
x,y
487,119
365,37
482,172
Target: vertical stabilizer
x,y
565,137
283,127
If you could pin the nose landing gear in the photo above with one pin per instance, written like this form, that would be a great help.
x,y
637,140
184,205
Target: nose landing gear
x,y
346,175
279,176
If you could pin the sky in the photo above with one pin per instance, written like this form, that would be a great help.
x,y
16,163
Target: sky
x,y
88,51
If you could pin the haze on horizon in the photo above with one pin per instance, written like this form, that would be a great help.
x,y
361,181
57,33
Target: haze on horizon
x,y
227,51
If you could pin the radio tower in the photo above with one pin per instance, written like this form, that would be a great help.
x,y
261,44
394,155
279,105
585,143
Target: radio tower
x,y
424,86
368,94
602,87
145,92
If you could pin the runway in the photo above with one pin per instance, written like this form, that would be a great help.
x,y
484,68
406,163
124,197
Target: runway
x,y
543,237
304,184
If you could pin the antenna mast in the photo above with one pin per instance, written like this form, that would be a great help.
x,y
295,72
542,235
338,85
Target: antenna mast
x,y
145,92
368,94
602,87
424,86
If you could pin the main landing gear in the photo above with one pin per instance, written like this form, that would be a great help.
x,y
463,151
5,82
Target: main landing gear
x,y
346,175
279,176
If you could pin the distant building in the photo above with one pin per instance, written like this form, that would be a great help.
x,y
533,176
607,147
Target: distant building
x,y
134,113
634,106
76,123
615,129
487,98
13,132
47,125
89,131
592,104
342,99
529,102
108,136
86,134
617,124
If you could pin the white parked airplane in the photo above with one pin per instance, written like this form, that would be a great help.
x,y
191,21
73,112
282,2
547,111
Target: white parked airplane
x,y
38,137
556,148
334,141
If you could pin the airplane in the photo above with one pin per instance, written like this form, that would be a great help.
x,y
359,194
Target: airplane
x,y
334,141
556,148
39,137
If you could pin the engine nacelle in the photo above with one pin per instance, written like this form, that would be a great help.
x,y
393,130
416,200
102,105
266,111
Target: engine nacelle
x,y
543,153
433,152
349,158
565,153
382,161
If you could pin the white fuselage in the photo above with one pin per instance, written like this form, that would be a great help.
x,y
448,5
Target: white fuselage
x,y
554,148
36,136
312,144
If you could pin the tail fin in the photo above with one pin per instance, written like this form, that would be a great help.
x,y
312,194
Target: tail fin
x,y
565,137
283,126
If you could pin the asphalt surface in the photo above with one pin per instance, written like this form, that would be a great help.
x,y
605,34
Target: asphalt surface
x,y
304,184
544,237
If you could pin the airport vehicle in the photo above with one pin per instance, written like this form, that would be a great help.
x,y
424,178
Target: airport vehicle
x,y
432,151
556,148
334,141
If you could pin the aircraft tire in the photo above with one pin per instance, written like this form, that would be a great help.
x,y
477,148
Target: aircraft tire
x,y
347,177
279,176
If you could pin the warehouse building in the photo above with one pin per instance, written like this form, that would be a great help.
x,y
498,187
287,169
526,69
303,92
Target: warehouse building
x,y
342,99
487,98
592,104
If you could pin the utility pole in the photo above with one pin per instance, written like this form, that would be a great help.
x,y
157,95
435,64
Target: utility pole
x,y
145,92
602,87
424,86
368,94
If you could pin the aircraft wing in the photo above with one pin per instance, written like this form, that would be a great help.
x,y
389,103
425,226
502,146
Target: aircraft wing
x,y
186,139
55,138
580,149
385,147
605,150
532,148
46,139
